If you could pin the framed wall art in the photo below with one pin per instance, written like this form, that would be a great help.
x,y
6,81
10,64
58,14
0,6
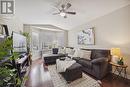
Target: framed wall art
x,y
86,37
4,30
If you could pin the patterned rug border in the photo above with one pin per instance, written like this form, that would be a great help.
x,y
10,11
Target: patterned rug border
x,y
59,81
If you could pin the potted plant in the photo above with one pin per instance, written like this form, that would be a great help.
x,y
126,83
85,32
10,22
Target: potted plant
x,y
8,73
5,47
121,61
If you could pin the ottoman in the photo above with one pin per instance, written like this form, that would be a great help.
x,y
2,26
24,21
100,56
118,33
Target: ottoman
x,y
51,58
73,72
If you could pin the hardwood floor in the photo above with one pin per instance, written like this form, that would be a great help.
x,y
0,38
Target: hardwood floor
x,y
39,77
115,81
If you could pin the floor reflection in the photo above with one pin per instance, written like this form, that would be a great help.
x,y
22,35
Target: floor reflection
x,y
39,76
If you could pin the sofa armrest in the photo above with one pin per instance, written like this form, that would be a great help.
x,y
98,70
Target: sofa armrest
x,y
69,56
76,58
99,60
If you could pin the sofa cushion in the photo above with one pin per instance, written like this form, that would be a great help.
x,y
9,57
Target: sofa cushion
x,y
99,60
99,53
69,51
76,59
77,52
61,50
85,54
85,63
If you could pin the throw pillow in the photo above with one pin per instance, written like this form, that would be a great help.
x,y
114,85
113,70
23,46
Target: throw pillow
x,y
85,54
67,50
76,53
70,51
61,50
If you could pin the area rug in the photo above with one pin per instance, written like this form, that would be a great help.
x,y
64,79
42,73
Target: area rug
x,y
59,81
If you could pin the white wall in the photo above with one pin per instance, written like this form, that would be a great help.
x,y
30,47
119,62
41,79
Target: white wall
x,y
13,23
112,30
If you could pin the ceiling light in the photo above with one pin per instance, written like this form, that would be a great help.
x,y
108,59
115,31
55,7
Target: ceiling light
x,y
62,14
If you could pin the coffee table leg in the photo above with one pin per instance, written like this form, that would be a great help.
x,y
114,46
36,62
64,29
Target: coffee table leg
x,y
125,74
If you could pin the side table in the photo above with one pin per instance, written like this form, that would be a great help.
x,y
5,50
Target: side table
x,y
120,69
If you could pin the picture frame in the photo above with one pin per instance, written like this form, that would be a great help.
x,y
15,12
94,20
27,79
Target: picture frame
x,y
1,30
4,30
86,37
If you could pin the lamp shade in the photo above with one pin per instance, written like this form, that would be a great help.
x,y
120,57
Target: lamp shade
x,y
116,52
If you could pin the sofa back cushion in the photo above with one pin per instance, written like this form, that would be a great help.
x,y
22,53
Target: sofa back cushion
x,y
85,54
76,52
98,53
69,50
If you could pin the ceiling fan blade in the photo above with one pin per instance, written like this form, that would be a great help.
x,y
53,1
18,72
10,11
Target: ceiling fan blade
x,y
56,13
73,13
68,5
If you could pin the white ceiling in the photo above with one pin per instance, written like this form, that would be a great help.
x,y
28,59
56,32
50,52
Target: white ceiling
x,y
40,11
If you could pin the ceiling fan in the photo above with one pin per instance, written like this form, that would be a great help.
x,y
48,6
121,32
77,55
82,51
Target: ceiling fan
x,y
63,11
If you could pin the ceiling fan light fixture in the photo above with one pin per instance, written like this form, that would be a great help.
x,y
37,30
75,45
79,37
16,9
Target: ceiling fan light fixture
x,y
63,10
62,14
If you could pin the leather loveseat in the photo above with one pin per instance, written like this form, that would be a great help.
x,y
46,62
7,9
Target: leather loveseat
x,y
99,65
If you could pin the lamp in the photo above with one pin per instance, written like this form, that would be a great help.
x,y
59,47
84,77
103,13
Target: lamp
x,y
116,53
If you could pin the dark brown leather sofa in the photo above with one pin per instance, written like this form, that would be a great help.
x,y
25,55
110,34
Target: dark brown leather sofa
x,y
99,65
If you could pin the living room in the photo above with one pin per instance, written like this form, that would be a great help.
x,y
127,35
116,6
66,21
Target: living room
x,y
65,43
